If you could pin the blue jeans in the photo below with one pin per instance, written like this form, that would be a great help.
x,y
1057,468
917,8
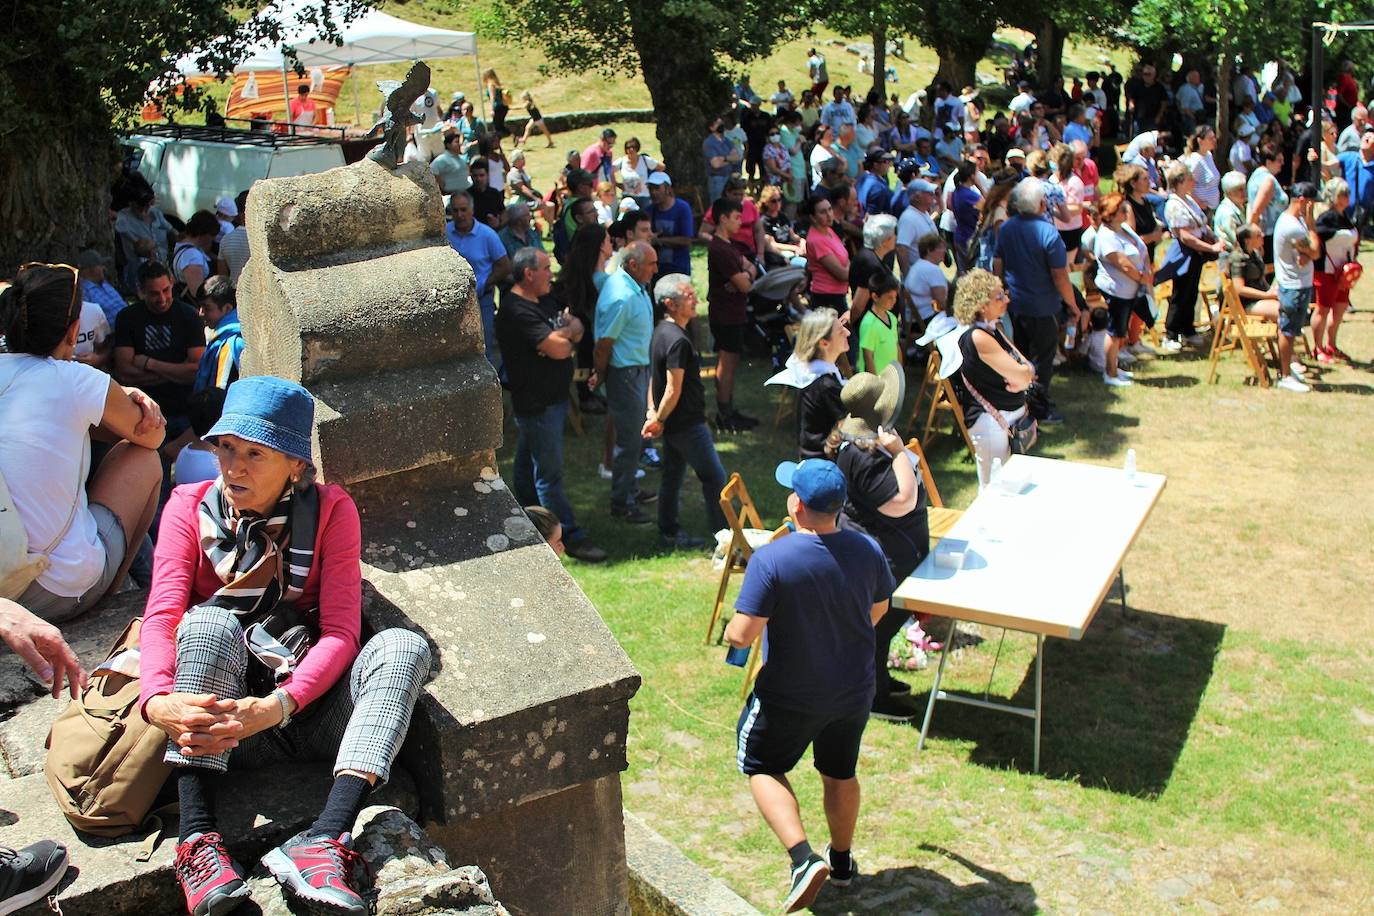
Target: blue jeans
x,y
539,467
692,447
487,306
715,186
627,392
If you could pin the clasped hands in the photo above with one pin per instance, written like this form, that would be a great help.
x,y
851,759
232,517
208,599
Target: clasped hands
x,y
203,725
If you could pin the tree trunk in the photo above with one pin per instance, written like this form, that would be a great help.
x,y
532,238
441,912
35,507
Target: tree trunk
x,y
1049,61
959,56
55,190
687,90
880,61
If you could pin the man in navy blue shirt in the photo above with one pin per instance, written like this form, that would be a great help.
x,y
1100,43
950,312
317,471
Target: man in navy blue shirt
x,y
872,188
1031,260
818,593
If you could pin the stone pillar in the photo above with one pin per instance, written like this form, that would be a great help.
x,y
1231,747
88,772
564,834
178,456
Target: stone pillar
x,y
519,739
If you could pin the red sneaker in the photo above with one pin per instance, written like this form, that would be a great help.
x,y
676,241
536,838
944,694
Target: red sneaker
x,y
319,870
1324,355
210,879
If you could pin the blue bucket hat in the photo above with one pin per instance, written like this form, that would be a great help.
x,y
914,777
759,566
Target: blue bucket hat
x,y
818,483
269,411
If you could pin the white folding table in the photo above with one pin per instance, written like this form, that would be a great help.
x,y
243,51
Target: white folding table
x,y
1039,561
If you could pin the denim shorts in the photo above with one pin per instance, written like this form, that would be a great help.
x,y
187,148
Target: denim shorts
x,y
1293,305
57,608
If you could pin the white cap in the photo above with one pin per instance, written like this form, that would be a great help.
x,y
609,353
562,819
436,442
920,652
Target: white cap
x,y
226,207
660,178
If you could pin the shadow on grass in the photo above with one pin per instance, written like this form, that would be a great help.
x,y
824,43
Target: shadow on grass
x,y
1343,388
914,890
1118,704
1168,381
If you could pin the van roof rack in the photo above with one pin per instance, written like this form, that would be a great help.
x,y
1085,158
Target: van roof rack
x,y
257,132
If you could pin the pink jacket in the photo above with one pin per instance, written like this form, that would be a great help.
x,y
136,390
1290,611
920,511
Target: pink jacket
x,y
183,577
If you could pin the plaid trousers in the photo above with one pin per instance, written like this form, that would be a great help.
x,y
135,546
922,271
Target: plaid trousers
x,y
360,722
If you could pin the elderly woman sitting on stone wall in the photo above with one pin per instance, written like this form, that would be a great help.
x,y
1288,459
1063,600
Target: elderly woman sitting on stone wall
x,y
250,649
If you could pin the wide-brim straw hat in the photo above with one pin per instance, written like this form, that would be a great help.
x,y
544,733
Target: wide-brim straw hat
x,y
872,401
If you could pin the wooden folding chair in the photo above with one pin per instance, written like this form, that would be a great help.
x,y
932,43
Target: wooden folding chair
x,y
929,380
1250,334
743,542
787,395
1162,293
944,400
939,518
751,667
575,402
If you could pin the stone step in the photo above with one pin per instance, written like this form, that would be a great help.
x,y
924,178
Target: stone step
x,y
258,809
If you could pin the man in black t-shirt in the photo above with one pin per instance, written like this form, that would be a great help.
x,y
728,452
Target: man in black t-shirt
x,y
487,203
538,340
158,344
677,412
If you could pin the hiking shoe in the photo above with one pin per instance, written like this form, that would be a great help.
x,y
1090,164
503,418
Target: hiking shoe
x,y
837,878
28,875
648,458
585,551
1294,384
211,880
631,516
318,870
680,541
1116,381
896,688
807,880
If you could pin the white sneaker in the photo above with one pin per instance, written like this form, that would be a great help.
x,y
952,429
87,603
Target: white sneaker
x,y
1169,345
1124,358
1122,373
1293,384
1141,348
1297,368
1116,381
1195,340
605,472
1059,360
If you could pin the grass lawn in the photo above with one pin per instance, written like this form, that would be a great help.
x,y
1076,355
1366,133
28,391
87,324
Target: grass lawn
x,y
1208,750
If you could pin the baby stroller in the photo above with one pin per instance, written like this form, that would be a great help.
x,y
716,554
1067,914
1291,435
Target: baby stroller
x,y
770,311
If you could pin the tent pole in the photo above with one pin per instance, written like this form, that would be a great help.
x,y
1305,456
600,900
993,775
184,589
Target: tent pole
x,y
286,95
357,110
481,90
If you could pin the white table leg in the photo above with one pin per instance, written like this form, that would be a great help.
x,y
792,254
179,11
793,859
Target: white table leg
x,y
935,687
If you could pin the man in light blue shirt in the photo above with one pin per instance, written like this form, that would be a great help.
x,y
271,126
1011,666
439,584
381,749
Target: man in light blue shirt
x,y
479,244
1078,127
623,328
838,111
96,286
1188,100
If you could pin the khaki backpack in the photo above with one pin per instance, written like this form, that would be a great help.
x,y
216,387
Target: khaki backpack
x,y
104,763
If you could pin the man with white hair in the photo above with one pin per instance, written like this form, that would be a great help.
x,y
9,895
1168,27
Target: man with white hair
x,y
1349,141
624,325
877,256
677,412
1031,259
915,221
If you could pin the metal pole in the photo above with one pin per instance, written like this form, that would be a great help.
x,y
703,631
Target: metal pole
x,y
1121,577
357,109
286,96
481,90
1039,664
1314,132
935,687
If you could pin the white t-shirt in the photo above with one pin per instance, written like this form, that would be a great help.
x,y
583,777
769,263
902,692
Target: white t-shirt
x,y
194,465
95,328
190,256
46,410
921,279
1022,102
947,204
1111,280
496,175
1241,159
911,225
642,168
1207,190
234,250
1288,231
818,156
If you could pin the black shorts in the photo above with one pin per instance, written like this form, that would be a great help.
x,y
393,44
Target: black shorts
x,y
1072,238
1119,313
770,740
729,338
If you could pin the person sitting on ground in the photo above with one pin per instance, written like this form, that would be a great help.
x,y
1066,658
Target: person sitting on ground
x,y
196,460
1245,267
548,526
191,263
677,412
822,338
1099,339
885,501
994,374
538,337
730,277
219,364
50,406
880,332
158,345
214,618
1124,276
819,592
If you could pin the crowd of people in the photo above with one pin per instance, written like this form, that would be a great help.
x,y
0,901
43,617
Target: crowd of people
x,y
847,240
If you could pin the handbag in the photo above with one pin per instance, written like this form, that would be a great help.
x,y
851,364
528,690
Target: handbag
x,y
1021,433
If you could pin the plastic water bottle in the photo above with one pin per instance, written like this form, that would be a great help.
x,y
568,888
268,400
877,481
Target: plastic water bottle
x,y
996,470
1069,336
737,656
1129,467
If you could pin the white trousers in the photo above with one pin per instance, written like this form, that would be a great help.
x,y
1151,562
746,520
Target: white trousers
x,y
990,441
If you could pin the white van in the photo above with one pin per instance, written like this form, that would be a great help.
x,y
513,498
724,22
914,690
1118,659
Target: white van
x,y
190,166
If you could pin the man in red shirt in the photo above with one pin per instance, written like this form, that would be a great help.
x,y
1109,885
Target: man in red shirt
x,y
597,157
1347,94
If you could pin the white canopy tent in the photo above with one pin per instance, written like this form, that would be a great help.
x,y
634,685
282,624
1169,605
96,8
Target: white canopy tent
x,y
371,38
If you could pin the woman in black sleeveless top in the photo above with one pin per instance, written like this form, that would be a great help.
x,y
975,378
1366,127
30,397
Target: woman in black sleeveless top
x,y
993,374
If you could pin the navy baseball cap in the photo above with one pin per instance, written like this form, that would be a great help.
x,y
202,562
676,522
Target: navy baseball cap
x,y
818,483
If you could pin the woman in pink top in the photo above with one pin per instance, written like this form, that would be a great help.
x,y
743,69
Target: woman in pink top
x,y
250,649
827,260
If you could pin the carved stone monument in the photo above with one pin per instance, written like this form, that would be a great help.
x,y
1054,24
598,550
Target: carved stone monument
x,y
519,740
